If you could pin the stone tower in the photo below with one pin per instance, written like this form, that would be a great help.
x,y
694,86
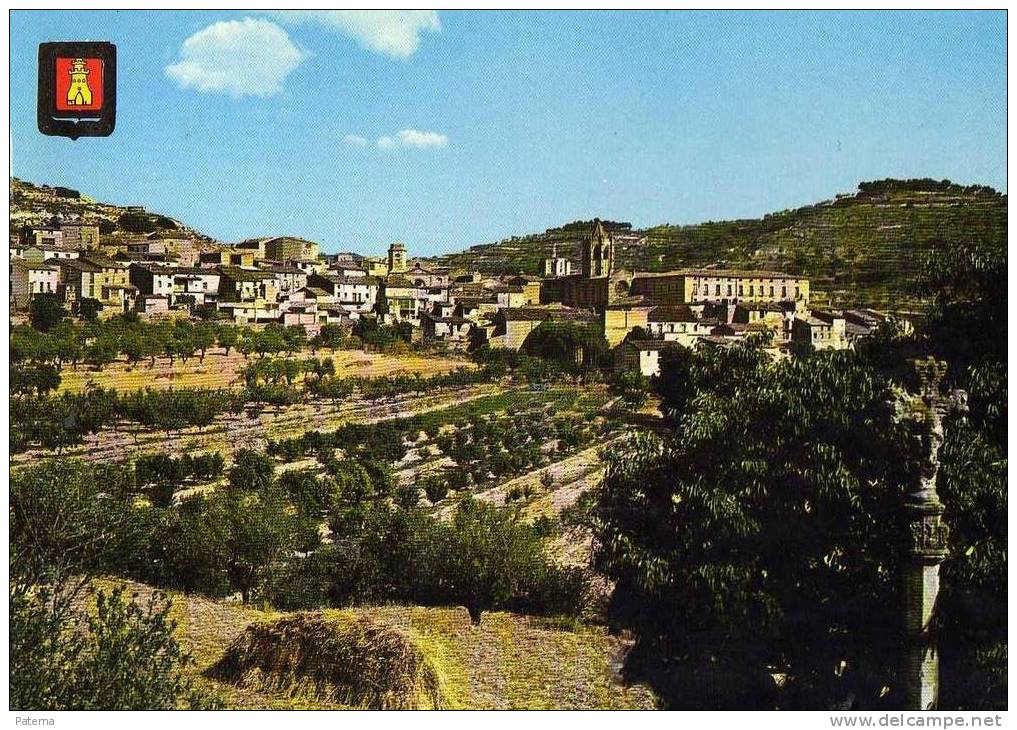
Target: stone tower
x,y
598,252
397,258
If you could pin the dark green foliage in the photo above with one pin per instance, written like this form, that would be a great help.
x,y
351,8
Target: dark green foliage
x,y
382,336
251,470
38,379
122,656
631,386
436,488
138,222
45,311
64,520
88,309
762,535
69,522
571,346
484,559
747,522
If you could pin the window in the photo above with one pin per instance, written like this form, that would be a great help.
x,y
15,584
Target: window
x,y
783,292
741,290
716,290
752,290
771,291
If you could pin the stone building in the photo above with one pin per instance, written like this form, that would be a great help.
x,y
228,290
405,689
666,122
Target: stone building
x,y
29,278
557,266
721,286
397,261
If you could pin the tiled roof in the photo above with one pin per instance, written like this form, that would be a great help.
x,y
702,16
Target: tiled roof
x,y
649,345
680,313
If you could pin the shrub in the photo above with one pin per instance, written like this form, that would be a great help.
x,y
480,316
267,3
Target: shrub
x,y
121,656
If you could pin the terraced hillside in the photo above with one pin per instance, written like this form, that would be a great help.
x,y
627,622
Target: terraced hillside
x,y
35,205
862,248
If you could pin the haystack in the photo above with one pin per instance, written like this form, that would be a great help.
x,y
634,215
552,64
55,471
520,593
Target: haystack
x,y
338,657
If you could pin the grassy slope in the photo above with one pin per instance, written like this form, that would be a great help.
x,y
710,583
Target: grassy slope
x,y
860,249
508,662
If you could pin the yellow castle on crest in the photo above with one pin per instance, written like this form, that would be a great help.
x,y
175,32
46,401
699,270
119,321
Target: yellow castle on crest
x,y
79,94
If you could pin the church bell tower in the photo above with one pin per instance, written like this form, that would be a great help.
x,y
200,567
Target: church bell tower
x,y
598,252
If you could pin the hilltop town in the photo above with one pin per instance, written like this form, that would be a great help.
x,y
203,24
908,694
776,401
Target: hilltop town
x,y
95,269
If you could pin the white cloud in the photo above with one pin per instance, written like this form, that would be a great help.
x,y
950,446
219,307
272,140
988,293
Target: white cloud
x,y
249,57
394,33
412,138
355,140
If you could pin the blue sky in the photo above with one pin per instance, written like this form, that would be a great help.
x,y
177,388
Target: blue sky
x,y
453,128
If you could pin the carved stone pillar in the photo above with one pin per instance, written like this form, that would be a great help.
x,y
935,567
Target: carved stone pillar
x,y
925,537
927,548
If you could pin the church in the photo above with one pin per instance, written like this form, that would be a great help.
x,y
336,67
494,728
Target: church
x,y
624,299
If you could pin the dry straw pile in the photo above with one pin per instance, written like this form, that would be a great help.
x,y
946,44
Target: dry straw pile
x,y
337,657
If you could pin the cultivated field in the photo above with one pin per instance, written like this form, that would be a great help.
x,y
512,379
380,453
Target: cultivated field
x,y
219,370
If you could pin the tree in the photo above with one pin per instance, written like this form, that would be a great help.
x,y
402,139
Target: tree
x,y
121,656
270,340
46,311
632,387
68,523
204,338
227,337
295,338
486,554
570,346
765,518
251,470
260,530
102,351
88,309
63,522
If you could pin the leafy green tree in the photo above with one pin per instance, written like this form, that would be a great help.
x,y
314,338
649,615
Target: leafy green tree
x,y
631,386
764,518
227,337
88,309
487,554
251,470
295,338
260,531
45,311
121,656
270,340
204,338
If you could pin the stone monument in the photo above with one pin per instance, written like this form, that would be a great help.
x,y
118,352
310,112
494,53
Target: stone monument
x,y
925,536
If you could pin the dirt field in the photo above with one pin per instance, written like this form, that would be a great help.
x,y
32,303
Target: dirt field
x,y
220,370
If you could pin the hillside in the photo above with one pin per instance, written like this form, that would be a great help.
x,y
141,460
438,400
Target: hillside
x,y
509,661
36,205
861,248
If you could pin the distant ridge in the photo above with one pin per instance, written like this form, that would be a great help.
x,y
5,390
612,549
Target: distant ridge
x,y
860,248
